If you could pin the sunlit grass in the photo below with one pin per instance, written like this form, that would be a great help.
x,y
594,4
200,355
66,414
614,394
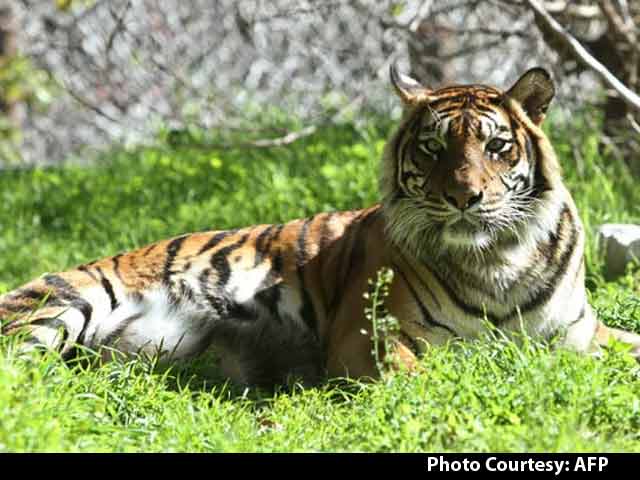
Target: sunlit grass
x,y
477,396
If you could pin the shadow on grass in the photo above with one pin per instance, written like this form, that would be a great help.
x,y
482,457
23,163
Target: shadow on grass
x,y
202,375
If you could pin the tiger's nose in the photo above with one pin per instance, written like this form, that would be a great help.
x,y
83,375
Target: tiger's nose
x,y
463,198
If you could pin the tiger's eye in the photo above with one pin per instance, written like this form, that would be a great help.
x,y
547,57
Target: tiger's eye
x,y
433,145
496,145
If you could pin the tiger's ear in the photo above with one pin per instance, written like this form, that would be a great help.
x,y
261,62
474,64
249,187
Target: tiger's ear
x,y
534,90
409,90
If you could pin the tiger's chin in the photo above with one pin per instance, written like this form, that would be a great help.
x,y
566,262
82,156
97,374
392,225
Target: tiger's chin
x,y
466,238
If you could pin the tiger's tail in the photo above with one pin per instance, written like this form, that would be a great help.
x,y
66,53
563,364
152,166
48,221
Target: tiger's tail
x,y
52,311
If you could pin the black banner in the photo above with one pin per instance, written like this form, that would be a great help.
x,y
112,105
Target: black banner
x,y
542,465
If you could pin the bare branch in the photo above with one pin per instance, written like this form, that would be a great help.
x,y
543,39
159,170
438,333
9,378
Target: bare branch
x,y
119,27
493,32
584,12
286,139
450,7
87,104
581,55
288,13
634,124
626,13
617,24
421,15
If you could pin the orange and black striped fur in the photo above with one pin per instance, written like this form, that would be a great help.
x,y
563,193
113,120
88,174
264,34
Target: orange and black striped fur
x,y
475,222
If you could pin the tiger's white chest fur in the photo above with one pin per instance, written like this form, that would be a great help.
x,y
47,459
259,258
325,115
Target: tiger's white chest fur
x,y
534,284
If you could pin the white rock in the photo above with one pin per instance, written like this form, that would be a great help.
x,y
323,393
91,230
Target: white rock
x,y
621,244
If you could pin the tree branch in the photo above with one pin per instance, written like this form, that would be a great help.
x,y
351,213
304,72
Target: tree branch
x,y
617,24
119,26
583,12
582,55
287,139
493,32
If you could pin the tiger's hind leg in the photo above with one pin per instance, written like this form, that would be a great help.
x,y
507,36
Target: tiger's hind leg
x,y
604,334
590,335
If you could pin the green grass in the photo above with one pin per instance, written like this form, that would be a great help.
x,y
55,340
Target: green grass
x,y
479,396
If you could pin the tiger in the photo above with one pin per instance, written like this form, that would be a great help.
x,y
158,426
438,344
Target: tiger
x,y
473,220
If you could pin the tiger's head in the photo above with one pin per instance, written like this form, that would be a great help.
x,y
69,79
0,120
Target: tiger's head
x,y
469,166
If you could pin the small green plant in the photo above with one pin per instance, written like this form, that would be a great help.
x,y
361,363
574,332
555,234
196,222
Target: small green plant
x,y
384,326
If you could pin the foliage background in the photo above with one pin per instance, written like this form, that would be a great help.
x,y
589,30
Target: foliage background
x,y
89,73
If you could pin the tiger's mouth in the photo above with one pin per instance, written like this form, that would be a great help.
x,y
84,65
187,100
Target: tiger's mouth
x,y
461,223
425,228
486,226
